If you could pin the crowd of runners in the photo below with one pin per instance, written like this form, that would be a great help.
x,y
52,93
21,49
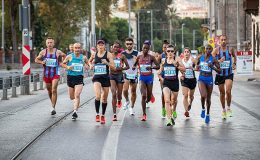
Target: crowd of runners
x,y
121,70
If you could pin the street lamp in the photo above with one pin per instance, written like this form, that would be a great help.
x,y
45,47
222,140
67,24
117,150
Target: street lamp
x,y
182,44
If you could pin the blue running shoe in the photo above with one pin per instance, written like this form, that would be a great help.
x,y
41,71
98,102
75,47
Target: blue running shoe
x,y
207,119
202,115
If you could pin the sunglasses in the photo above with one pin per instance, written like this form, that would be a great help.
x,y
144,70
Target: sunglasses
x,y
208,48
129,44
170,51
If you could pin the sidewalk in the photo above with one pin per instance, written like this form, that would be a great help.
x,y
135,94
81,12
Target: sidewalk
x,y
254,77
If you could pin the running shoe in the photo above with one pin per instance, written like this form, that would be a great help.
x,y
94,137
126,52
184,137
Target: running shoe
x,y
97,118
131,111
163,112
148,105
186,114
102,120
174,114
224,115
119,104
126,105
152,99
144,117
173,122
169,122
202,115
114,117
53,112
74,115
229,113
207,119
189,107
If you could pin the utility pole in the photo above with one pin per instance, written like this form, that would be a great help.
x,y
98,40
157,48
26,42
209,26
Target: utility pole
x,y
238,27
129,18
194,39
182,43
152,29
93,20
170,31
3,32
138,28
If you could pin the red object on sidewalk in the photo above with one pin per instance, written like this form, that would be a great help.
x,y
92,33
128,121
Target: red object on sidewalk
x,y
26,60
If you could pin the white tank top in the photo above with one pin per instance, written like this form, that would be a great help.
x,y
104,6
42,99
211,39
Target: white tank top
x,y
189,69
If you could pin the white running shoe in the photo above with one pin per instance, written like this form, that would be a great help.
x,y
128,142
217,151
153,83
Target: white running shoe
x,y
131,111
126,105
148,105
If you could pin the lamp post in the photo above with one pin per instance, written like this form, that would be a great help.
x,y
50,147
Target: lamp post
x,y
3,32
182,44
129,17
93,21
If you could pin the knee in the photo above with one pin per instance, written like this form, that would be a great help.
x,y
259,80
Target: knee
x,y
54,91
133,94
228,92
143,96
185,96
167,102
71,97
104,100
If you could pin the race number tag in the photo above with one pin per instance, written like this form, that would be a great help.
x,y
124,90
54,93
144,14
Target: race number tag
x,y
117,63
169,71
130,76
100,69
204,67
189,73
77,67
143,68
50,62
224,65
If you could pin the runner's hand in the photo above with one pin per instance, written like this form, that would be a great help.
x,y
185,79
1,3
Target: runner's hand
x,y
133,68
234,66
222,59
119,68
210,65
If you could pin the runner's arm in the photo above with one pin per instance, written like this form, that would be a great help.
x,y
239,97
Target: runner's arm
x,y
38,59
65,62
111,61
157,65
232,51
126,63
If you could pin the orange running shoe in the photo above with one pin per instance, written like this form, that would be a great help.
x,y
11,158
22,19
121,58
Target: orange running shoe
x,y
97,118
152,99
144,117
119,104
103,120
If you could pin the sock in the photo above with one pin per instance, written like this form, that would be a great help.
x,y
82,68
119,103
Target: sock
x,y
97,106
104,107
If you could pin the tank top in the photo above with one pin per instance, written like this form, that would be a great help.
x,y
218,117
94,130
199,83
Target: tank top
x,y
170,71
130,74
77,63
100,70
189,73
163,57
145,62
225,66
118,60
204,68
51,67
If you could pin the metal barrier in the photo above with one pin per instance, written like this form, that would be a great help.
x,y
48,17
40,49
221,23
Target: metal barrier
x,y
25,85
36,78
41,81
15,83
6,84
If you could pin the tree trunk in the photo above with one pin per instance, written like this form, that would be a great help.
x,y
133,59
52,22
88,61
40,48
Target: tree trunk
x,y
14,40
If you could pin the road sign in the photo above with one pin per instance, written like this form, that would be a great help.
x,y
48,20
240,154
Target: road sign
x,y
244,63
26,60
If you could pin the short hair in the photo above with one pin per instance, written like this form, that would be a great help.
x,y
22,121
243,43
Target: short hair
x,y
170,46
50,38
129,39
117,42
76,44
165,41
208,45
188,48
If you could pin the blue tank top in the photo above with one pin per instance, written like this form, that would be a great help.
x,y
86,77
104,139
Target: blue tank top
x,y
204,68
226,66
78,65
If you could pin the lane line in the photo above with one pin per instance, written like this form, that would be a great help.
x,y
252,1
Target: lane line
x,y
109,150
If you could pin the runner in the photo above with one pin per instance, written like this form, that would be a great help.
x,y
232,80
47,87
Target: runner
x,y
188,80
49,58
75,63
224,80
117,78
206,63
130,76
161,59
145,61
168,74
71,46
102,61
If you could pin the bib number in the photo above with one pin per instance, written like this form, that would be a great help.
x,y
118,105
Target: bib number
x,y
169,71
143,68
224,65
189,73
117,63
100,69
130,76
204,67
51,62
77,67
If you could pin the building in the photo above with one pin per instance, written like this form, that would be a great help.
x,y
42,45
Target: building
x,y
192,12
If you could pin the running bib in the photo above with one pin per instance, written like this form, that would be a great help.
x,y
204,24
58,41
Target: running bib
x,y
189,73
224,65
143,68
169,71
117,63
50,62
130,76
204,67
100,69
77,67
